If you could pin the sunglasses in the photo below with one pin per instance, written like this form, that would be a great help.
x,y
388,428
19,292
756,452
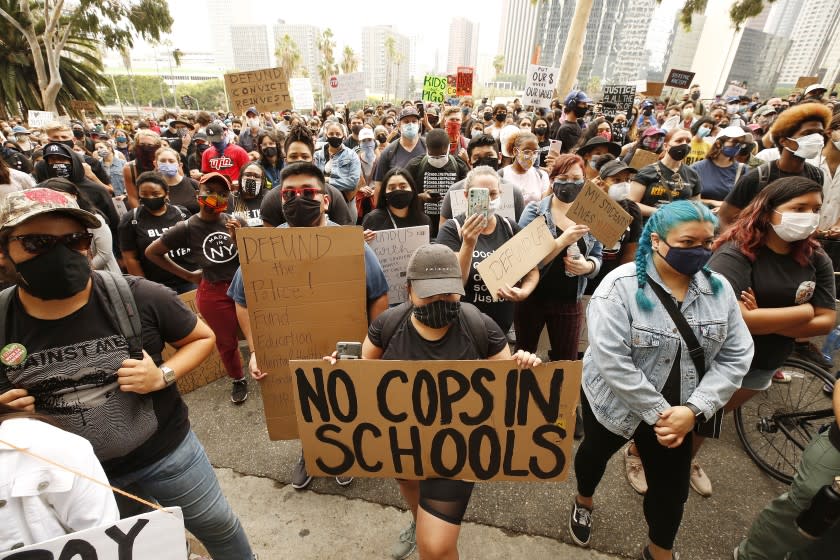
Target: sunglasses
x,y
40,243
308,193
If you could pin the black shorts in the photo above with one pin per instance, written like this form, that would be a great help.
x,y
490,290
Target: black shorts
x,y
446,499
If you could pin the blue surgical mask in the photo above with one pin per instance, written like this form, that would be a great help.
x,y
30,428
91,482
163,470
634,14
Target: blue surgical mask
x,y
168,169
702,132
410,130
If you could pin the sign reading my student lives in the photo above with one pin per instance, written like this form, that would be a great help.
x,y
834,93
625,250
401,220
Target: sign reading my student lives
x,y
305,289
266,89
468,420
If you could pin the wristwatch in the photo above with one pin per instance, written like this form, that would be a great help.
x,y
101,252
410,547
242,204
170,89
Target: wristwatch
x,y
698,414
168,375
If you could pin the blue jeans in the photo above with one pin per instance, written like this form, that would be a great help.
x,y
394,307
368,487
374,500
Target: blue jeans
x,y
185,478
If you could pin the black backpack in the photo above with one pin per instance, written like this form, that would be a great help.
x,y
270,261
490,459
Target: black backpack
x,y
470,317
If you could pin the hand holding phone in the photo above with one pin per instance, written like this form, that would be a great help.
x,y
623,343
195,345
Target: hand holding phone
x,y
478,201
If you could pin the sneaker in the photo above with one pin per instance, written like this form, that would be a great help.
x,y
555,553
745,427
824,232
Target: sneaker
x,y
699,481
735,552
580,524
343,480
407,543
780,376
809,352
300,478
578,424
239,391
635,471
646,555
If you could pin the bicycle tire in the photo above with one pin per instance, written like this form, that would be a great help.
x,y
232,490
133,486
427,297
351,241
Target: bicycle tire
x,y
776,446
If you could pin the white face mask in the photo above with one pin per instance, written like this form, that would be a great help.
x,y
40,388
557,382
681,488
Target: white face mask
x,y
254,123
438,161
836,144
494,206
796,226
809,146
619,191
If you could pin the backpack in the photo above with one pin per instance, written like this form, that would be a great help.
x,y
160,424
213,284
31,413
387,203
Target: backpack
x,y
470,318
763,171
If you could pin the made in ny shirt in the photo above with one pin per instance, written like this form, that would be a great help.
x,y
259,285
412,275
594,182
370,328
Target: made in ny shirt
x,y
212,249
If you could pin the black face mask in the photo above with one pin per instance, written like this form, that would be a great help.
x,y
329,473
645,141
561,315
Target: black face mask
x,y
356,129
647,112
270,152
540,131
488,115
251,186
567,191
60,170
68,143
78,134
381,138
437,314
433,120
145,152
236,131
501,117
59,273
580,112
153,204
399,199
201,148
335,141
678,153
302,212
695,96
490,161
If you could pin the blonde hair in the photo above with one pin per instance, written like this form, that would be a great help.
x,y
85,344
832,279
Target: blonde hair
x,y
165,149
147,133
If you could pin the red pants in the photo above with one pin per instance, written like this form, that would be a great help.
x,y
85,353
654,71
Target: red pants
x,y
219,312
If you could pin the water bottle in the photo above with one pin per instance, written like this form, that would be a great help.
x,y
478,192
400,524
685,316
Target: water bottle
x,y
823,512
573,252
832,343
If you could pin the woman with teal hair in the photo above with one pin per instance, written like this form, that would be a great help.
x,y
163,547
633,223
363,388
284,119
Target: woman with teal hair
x,y
639,379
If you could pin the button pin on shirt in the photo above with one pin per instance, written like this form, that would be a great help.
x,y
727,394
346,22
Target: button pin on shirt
x,y
43,485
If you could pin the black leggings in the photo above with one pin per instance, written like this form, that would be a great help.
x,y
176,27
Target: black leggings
x,y
446,499
667,472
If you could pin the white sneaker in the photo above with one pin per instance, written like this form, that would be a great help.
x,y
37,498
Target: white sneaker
x,y
635,471
699,481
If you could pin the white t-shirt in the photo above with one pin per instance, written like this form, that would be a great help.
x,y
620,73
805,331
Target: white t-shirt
x,y
533,183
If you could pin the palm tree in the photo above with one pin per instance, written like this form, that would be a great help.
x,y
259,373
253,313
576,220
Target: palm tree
x,y
327,67
499,64
349,62
390,57
288,56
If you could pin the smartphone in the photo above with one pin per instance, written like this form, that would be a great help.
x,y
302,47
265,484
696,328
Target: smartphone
x,y
478,201
420,109
555,145
348,350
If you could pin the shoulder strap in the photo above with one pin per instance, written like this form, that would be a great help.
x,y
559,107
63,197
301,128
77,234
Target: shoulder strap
x,y
134,215
128,317
694,348
393,321
507,223
763,174
458,228
472,321
5,303
738,172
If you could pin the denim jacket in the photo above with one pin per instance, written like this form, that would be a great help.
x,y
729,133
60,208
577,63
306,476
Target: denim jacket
x,y
593,246
346,168
631,351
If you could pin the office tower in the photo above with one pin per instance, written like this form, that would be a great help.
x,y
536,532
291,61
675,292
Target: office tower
x,y
817,24
516,34
250,47
386,73
306,38
463,44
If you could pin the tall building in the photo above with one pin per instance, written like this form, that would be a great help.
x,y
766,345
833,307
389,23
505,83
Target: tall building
x,y
758,60
630,60
221,17
782,17
306,38
250,47
816,25
386,73
516,37
463,44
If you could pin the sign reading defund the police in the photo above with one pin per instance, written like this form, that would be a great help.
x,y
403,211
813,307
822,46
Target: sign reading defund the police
x,y
267,90
470,420
305,290
158,535
539,89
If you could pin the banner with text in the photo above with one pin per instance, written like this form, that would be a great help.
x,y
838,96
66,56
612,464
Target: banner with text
x,y
305,290
679,79
539,88
734,90
606,219
157,535
434,88
267,90
618,99
465,81
301,90
467,420
345,88
39,119
393,248
451,85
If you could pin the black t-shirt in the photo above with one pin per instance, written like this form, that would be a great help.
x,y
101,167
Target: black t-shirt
x,y
568,133
554,285
664,186
778,281
749,185
397,156
148,227
476,291
71,370
247,209
611,258
407,344
184,194
271,208
211,247
436,180
380,219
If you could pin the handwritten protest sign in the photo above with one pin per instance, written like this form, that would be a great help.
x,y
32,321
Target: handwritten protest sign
x,y
641,158
654,89
805,81
507,208
472,420
393,248
208,371
734,90
301,89
266,89
451,85
305,289
508,264
539,89
345,88
606,219
464,85
434,88
86,106
680,79
618,99
159,535
39,119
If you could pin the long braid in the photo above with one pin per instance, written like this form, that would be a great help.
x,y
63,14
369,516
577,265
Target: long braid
x,y
643,253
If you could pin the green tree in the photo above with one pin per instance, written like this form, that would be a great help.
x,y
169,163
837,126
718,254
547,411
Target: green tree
x,y
498,64
46,26
327,66
210,94
146,88
349,61
739,12
288,57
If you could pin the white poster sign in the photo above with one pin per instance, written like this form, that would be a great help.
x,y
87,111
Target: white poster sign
x,y
393,248
347,87
301,90
539,89
459,202
40,119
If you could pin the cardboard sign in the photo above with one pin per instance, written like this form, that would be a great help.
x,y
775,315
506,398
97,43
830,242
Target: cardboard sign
x,y
642,158
517,257
507,209
267,90
186,100
86,106
467,420
539,88
393,248
208,371
305,289
606,219
618,99
464,81
345,88
301,89
654,89
805,81
679,79
157,535
733,90
39,119
434,88
451,85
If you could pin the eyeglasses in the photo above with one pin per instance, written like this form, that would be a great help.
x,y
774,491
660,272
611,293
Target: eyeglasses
x,y
528,153
308,193
40,243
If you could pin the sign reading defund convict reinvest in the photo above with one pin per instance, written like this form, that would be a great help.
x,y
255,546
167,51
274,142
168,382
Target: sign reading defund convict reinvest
x,y
266,89
469,420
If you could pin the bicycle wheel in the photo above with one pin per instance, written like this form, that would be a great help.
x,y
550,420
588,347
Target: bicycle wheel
x,y
776,425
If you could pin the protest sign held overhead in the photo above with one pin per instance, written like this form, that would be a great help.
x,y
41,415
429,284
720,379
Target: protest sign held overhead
x,y
345,88
464,85
653,89
679,79
618,99
805,81
86,106
434,88
642,158
39,119
305,289
301,89
267,90
606,219
539,86
451,85
469,420
393,248
734,90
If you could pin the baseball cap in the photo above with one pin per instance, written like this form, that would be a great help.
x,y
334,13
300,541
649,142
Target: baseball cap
x,y
652,130
434,270
765,110
252,110
575,96
731,132
200,136
19,130
615,166
214,131
18,206
366,134
814,87
214,176
410,111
